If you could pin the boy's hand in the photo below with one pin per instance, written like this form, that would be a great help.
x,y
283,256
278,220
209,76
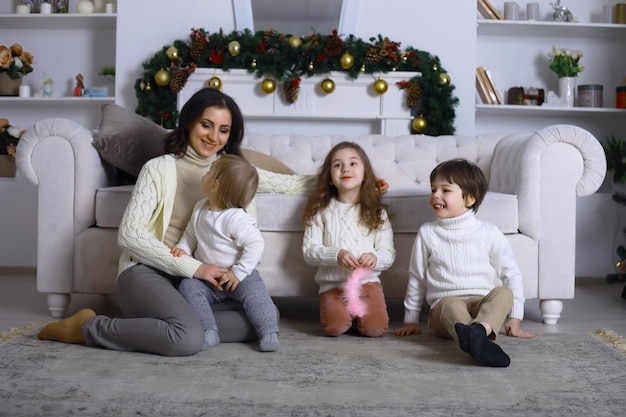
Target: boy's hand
x,y
512,327
228,281
407,330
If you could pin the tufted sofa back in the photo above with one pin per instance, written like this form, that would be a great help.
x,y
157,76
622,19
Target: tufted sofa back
x,y
405,162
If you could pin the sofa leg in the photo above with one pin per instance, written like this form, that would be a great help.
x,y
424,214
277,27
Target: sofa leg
x,y
58,303
550,310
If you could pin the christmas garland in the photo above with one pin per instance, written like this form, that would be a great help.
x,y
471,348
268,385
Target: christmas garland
x,y
286,59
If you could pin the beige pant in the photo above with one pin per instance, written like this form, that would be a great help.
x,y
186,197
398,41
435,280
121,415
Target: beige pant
x,y
492,309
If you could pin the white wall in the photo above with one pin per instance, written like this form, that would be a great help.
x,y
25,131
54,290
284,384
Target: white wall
x,y
145,26
445,28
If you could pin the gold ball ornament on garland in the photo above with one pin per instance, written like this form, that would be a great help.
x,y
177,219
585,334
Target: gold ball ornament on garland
x,y
148,87
172,53
294,41
234,48
346,61
268,86
444,79
310,66
380,86
327,85
419,124
162,78
215,83
253,63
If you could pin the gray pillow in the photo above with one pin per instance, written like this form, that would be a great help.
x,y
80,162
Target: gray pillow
x,y
127,140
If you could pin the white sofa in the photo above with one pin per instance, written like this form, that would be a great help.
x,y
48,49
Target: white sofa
x,y
534,179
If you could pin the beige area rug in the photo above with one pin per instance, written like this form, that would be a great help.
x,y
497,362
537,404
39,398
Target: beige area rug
x,y
313,375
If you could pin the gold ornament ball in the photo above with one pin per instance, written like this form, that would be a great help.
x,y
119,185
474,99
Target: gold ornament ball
x,y
327,86
171,53
215,83
294,41
148,87
268,86
380,86
346,61
253,63
419,124
444,79
162,78
310,67
234,48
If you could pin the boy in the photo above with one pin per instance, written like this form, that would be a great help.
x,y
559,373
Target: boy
x,y
454,265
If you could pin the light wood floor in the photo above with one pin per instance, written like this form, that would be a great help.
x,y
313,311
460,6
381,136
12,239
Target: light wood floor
x,y
596,305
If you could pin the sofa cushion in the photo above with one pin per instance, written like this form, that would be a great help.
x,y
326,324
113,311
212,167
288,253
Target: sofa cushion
x,y
408,208
127,140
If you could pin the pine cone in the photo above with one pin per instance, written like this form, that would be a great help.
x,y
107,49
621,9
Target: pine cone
x,y
178,81
414,95
198,49
373,55
291,92
334,46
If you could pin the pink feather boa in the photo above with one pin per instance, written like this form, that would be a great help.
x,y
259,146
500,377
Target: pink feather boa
x,y
352,292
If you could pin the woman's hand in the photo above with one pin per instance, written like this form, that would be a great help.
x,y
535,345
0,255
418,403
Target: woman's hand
x,y
381,186
407,330
209,273
228,281
512,327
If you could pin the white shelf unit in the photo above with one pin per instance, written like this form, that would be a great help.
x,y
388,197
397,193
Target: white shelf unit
x,y
63,45
516,53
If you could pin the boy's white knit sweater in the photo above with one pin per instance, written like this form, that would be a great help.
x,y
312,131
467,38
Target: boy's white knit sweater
x,y
338,227
460,257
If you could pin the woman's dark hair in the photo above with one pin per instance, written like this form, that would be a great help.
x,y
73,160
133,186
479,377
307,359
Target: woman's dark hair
x,y
468,176
177,140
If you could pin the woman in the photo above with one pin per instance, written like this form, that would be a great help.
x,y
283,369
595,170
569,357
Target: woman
x,y
157,318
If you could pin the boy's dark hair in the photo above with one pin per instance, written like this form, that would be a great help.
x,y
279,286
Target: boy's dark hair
x,y
468,176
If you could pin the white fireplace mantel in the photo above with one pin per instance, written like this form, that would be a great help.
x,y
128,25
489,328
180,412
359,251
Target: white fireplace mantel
x,y
353,108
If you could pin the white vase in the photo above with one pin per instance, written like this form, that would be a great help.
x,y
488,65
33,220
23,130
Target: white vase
x,y
567,90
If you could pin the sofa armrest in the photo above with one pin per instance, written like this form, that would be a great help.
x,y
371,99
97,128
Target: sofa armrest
x,y
559,161
57,156
548,171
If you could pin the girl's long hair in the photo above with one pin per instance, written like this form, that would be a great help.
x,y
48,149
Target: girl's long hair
x,y
371,207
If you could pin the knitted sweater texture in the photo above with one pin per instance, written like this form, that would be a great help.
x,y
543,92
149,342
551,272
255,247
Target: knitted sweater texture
x,y
149,211
460,257
338,227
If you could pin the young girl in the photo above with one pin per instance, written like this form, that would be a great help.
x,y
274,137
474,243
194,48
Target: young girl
x,y
347,229
221,234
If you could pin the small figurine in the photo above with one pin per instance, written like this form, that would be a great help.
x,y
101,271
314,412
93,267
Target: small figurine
x,y
80,88
561,13
48,86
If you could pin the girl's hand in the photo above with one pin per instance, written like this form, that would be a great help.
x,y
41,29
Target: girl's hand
x,y
368,260
347,260
209,273
512,327
407,330
228,281
177,252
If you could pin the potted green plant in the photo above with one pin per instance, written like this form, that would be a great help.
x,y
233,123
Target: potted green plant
x,y
615,151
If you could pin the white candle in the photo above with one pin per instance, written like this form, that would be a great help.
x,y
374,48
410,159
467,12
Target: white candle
x,y
22,9
45,8
24,91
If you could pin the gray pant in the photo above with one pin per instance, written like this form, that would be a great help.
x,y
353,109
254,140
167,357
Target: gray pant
x,y
158,319
250,292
